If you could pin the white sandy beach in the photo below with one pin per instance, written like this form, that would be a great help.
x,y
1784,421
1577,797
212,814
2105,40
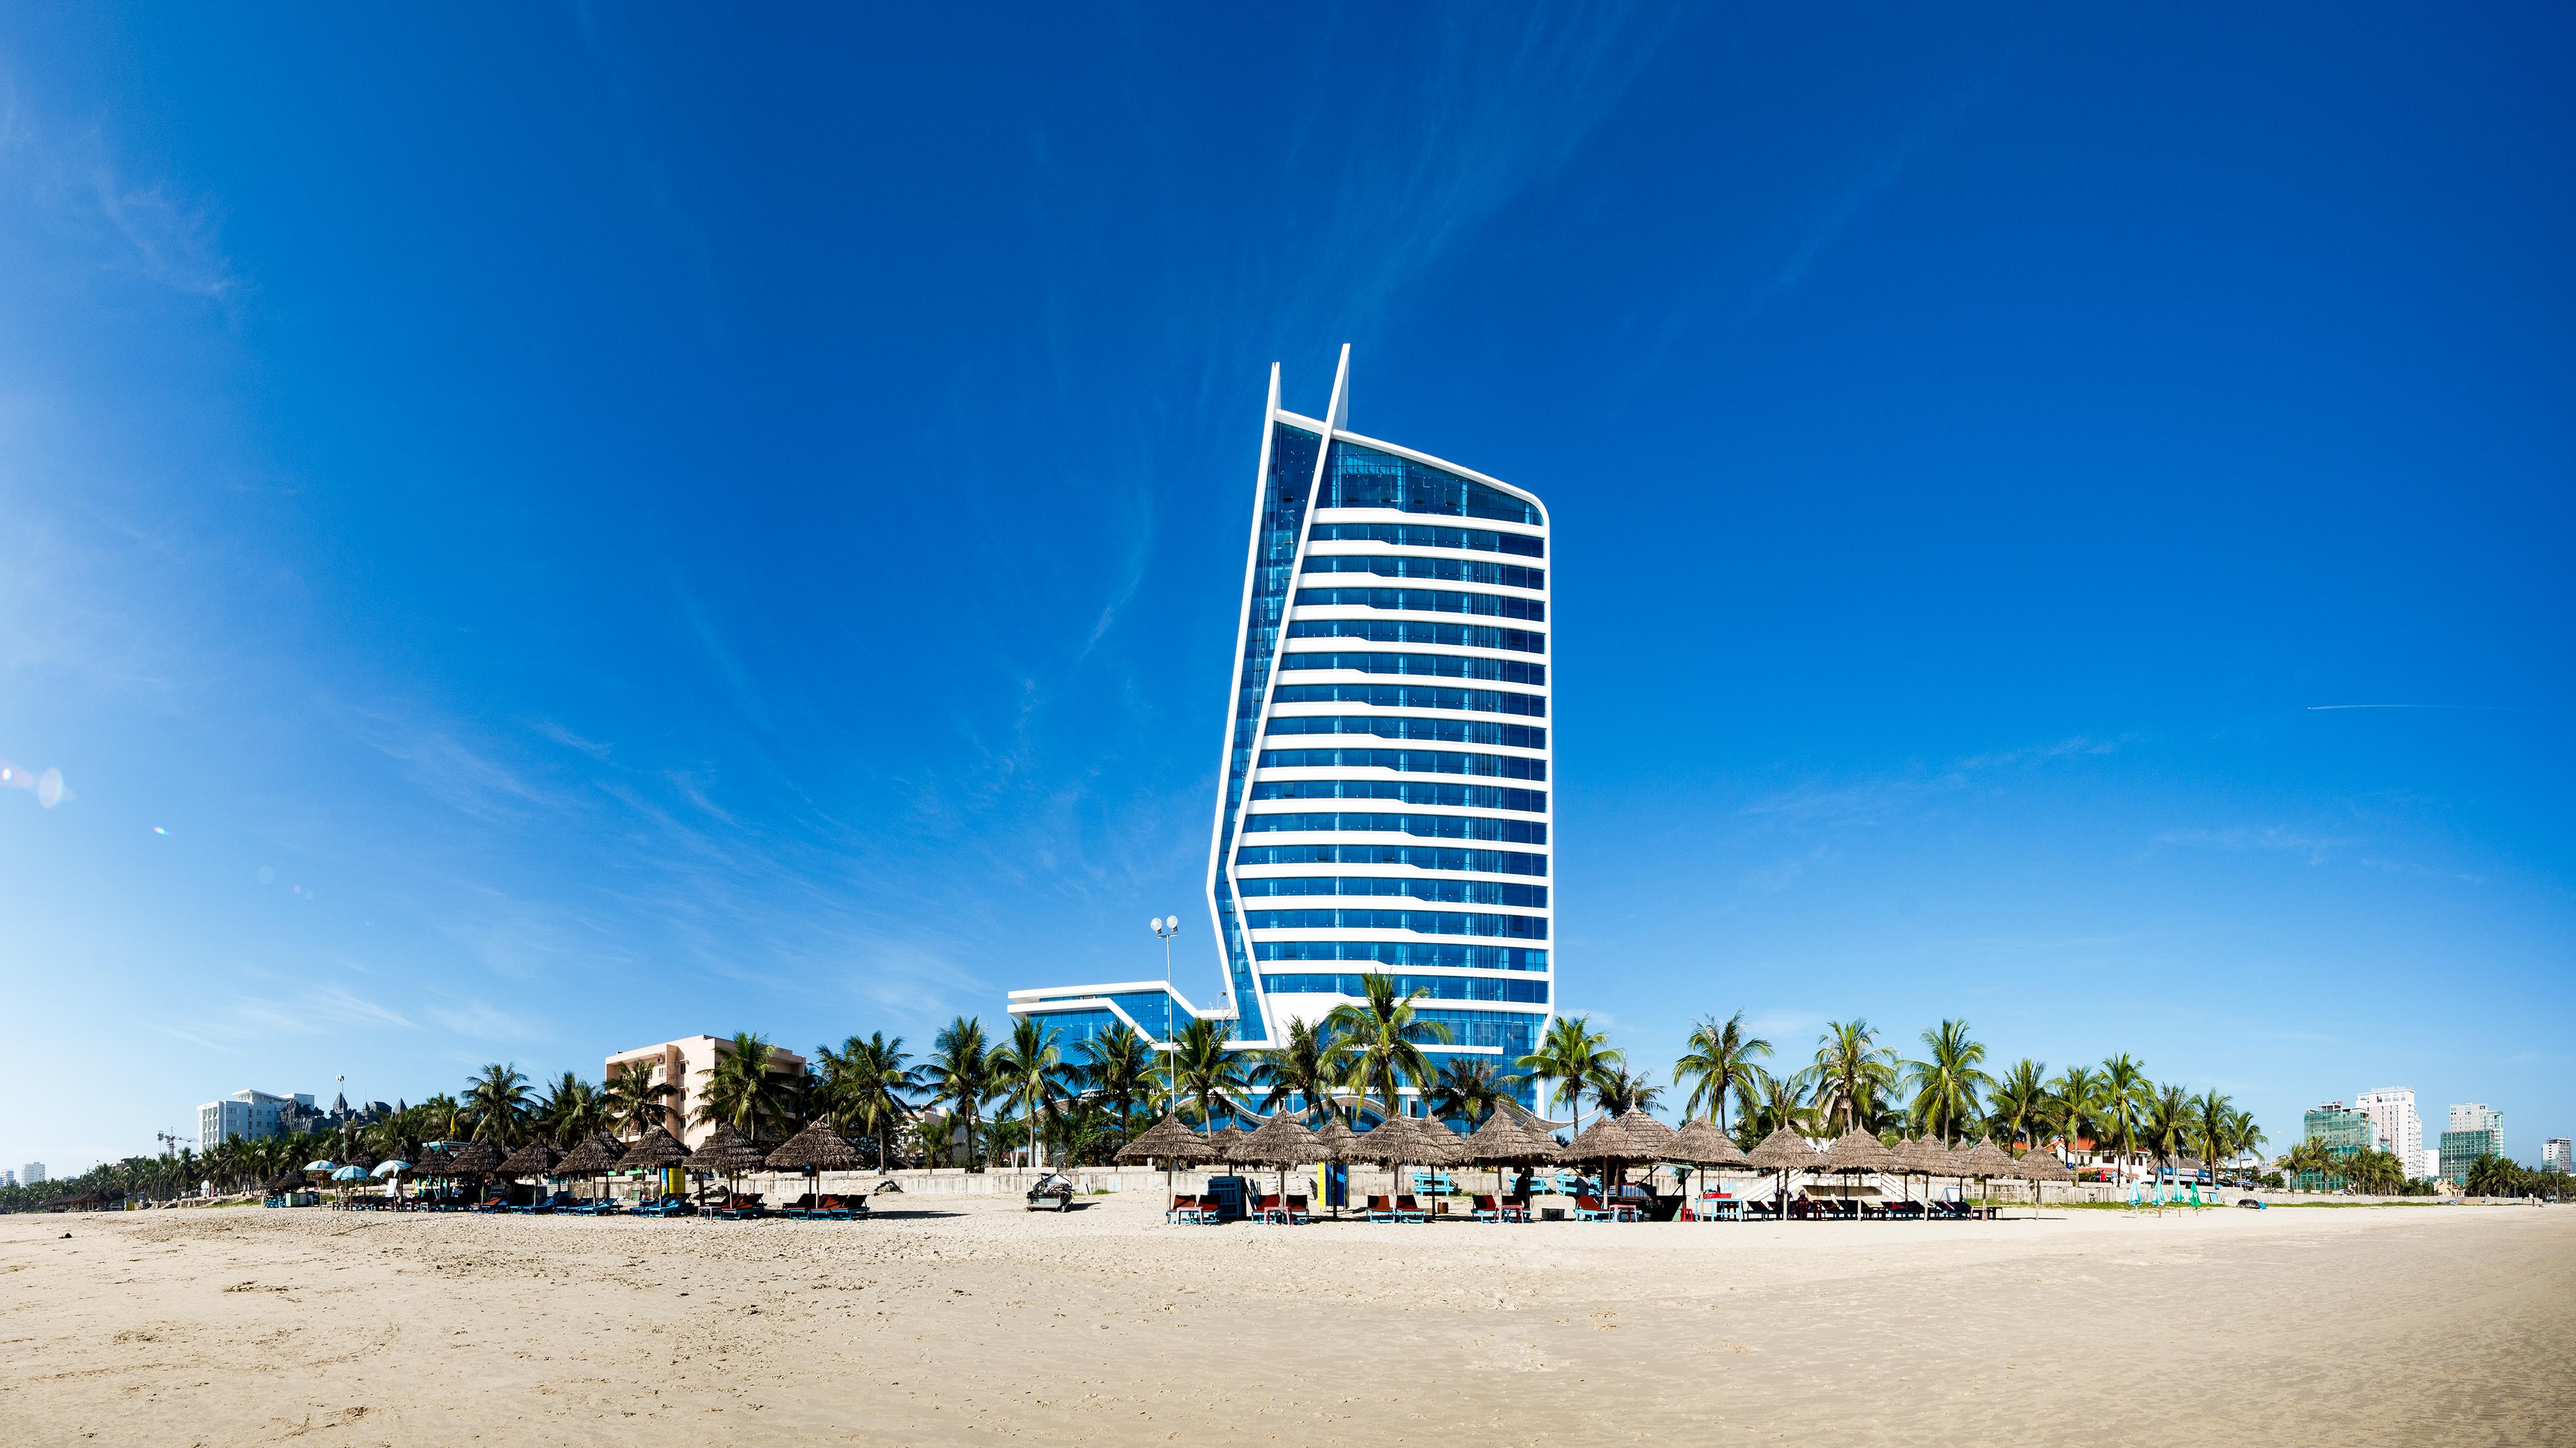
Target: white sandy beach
x,y
971,1321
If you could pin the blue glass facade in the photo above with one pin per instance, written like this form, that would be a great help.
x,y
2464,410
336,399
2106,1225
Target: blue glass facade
x,y
1428,827
1420,857
1436,630
1414,696
1441,666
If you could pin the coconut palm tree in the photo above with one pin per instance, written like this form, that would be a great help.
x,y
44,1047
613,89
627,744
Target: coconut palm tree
x,y
2020,1102
2213,1119
1717,1056
743,1092
1618,1091
2127,1096
865,1085
1852,1072
634,1103
1948,1081
1376,1042
494,1105
1574,1056
1033,1078
1468,1091
2167,1127
1118,1071
1205,1072
1764,1103
961,1074
2074,1099
569,1111
1298,1072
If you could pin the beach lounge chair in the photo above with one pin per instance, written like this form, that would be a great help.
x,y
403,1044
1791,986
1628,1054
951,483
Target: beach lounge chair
x,y
1185,1208
663,1207
1296,1212
1499,1209
799,1209
836,1209
1588,1208
1409,1210
1381,1209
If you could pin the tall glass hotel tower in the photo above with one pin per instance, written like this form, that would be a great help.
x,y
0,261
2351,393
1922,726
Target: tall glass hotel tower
x,y
1383,798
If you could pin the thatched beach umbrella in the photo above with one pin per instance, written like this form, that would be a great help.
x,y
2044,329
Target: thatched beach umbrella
x,y
726,1153
1225,1144
536,1159
2040,1166
1855,1152
596,1156
1923,1155
1400,1141
1336,1138
1170,1142
1783,1151
814,1151
1986,1161
1701,1144
1283,1141
1502,1141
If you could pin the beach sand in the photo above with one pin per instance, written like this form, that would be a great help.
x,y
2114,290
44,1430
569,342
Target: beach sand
x,y
975,1321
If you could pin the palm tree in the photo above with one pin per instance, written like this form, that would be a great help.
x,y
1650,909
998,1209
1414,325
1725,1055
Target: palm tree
x,y
2020,1102
1032,1075
1468,1091
1947,1081
1852,1071
1574,1056
1618,1091
1376,1041
742,1091
569,1111
864,1086
495,1102
2243,1134
1717,1056
936,1136
1118,1071
1298,1072
1764,1103
961,1074
2074,1098
2167,1129
437,1119
2213,1129
1204,1071
2127,1095
634,1102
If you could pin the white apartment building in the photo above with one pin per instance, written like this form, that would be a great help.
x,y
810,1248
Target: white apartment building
x,y
244,1113
2554,1153
2394,1126
32,1174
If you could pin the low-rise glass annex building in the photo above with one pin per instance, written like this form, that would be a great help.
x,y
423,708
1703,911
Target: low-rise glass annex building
x,y
1383,800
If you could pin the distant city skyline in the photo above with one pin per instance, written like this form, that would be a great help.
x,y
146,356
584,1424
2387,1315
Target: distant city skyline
x,y
541,532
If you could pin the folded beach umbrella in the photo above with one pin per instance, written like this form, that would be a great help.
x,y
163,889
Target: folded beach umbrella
x,y
1783,1151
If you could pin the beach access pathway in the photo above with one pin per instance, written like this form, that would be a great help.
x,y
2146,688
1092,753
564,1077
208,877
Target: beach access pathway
x,y
972,1321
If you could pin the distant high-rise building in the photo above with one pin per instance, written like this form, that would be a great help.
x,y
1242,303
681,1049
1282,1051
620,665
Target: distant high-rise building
x,y
2476,1130
250,1113
2426,1165
2343,1130
2553,1155
8,1178
2393,1123
32,1174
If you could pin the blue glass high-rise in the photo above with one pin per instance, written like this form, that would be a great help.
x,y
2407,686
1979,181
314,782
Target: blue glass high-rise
x,y
1334,633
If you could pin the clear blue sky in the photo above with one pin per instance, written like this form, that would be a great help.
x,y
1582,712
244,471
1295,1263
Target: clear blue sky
x,y
584,527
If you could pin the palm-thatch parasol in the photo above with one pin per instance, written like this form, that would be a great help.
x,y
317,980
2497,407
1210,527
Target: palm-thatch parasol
x,y
1283,1141
1502,1141
535,1159
2040,1166
1923,1155
1226,1144
658,1151
814,1151
1783,1151
596,1156
1647,1135
1400,1141
1986,1161
726,1153
475,1161
285,1182
1854,1152
1168,1141
1701,1144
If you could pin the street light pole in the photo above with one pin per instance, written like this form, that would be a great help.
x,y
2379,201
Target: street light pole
x,y
1166,928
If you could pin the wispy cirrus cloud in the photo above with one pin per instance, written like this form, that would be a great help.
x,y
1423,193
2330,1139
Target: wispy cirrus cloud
x,y
148,228
2316,847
